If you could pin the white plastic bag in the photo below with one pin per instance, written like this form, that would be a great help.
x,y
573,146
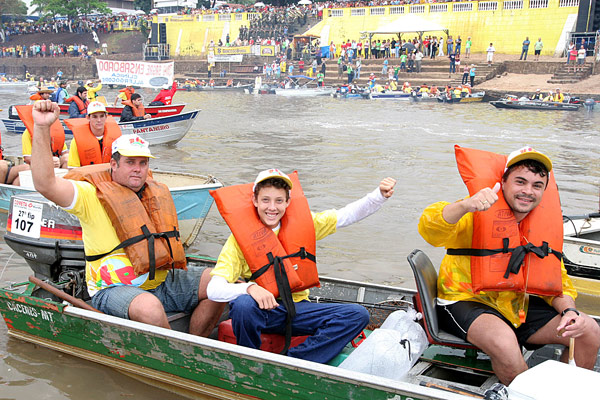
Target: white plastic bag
x,y
390,353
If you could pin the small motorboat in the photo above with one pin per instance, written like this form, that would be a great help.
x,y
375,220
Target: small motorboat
x,y
524,103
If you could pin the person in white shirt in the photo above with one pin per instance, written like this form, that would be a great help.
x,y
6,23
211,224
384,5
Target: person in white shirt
x,y
490,54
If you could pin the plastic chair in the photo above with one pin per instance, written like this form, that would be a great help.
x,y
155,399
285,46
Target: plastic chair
x,y
425,300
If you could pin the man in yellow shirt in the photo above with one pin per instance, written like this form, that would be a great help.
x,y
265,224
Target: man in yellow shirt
x,y
112,281
92,92
499,321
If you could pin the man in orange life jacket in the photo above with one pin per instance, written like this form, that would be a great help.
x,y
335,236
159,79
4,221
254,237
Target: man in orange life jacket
x,y
92,137
79,103
125,94
134,109
123,283
253,306
495,318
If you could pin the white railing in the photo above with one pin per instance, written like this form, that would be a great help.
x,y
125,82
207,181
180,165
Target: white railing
x,y
377,11
568,3
487,6
420,9
435,8
358,12
396,10
538,3
337,13
253,16
513,4
458,7
208,17
224,17
239,17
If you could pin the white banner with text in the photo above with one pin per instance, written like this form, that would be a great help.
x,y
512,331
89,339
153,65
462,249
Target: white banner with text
x,y
135,73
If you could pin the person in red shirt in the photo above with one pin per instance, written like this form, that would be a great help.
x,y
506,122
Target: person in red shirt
x,y
165,96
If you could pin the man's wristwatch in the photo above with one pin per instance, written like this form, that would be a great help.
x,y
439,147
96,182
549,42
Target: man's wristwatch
x,y
566,310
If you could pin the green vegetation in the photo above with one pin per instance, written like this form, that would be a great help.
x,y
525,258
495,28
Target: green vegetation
x,y
13,7
71,8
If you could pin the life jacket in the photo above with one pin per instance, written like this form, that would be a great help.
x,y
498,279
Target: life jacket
x,y
35,97
267,254
57,132
128,92
146,226
88,145
559,97
81,105
501,247
137,111
261,246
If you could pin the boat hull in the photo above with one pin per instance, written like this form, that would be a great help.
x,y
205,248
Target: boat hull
x,y
305,92
535,105
161,130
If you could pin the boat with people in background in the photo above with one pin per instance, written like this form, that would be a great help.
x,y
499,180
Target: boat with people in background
x,y
524,103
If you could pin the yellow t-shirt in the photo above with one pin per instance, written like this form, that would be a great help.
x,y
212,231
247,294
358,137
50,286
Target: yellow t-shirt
x,y
26,144
232,265
99,236
92,92
454,280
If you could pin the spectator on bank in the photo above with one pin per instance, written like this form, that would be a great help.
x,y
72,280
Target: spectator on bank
x,y
525,49
581,53
468,48
537,47
490,54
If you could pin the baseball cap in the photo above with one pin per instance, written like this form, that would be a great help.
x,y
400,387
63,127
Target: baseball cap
x,y
528,153
88,82
271,173
165,86
131,146
95,106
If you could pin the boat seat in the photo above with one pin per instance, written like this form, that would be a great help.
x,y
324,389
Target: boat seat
x,y
270,342
425,301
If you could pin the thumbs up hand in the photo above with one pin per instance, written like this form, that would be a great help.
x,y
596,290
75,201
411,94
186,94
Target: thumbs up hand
x,y
483,199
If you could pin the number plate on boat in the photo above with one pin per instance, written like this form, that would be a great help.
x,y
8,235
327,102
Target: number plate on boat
x,y
26,218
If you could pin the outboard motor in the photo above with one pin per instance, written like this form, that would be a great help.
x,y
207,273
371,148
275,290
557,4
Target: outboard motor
x,y
49,239
589,104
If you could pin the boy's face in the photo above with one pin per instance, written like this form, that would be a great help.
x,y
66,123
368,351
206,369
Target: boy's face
x,y
271,204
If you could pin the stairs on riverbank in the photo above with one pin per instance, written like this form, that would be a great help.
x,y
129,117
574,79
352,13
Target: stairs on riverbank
x,y
566,74
433,72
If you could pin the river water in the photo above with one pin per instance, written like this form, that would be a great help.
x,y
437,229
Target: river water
x,y
341,150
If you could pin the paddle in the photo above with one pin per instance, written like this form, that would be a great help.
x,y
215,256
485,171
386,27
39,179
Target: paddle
x,y
62,295
571,345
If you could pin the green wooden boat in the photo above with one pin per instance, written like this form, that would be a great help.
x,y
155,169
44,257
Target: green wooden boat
x,y
195,366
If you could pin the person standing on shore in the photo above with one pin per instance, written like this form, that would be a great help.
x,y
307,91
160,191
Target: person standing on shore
x,y
537,47
490,54
525,49
468,47
581,53
472,74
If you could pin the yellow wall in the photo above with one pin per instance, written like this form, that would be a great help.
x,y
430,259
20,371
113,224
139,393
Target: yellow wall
x,y
196,32
505,28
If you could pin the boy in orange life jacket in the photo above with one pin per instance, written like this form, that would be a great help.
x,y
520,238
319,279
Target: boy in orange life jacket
x,y
134,109
276,207
120,282
495,318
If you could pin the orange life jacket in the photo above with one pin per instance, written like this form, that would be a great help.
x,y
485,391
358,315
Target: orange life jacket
x,y
88,145
261,246
57,132
147,227
128,92
35,97
137,111
498,239
81,105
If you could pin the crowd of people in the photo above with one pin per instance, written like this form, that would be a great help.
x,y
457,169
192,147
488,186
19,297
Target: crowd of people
x,y
51,50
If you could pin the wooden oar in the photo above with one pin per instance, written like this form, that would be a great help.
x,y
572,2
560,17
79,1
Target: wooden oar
x,y
62,295
453,389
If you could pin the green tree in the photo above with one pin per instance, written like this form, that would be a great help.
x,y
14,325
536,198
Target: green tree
x,y
71,8
13,7
144,5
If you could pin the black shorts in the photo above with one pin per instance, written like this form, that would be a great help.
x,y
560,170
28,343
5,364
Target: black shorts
x,y
456,318
537,52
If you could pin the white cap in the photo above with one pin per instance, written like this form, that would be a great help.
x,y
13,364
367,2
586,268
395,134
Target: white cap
x,y
131,146
165,86
528,153
271,173
88,82
95,106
